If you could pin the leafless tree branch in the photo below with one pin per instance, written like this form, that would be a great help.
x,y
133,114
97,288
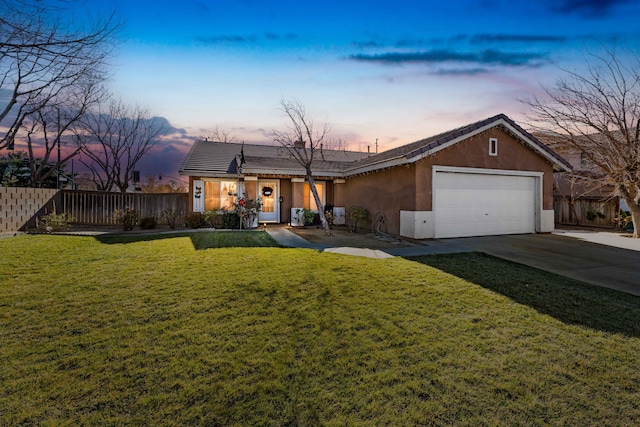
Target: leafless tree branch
x,y
115,137
40,58
598,113
302,140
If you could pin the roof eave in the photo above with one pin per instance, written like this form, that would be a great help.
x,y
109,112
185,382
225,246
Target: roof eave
x,y
372,167
558,164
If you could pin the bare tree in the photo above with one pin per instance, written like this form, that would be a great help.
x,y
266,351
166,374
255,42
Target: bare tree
x,y
303,142
221,135
115,140
40,57
598,113
57,124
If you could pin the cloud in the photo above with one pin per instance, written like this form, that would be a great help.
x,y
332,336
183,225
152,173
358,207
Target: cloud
x,y
277,37
461,71
365,44
436,56
246,39
586,8
481,39
214,40
519,38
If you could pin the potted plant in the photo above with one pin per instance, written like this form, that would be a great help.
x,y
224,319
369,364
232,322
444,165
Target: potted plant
x,y
248,210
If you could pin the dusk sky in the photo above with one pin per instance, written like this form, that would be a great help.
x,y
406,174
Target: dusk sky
x,y
397,71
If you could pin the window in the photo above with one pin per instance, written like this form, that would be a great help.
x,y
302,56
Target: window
x,y
219,195
493,146
309,201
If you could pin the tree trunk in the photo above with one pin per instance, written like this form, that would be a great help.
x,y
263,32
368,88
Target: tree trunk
x,y
629,196
314,192
635,216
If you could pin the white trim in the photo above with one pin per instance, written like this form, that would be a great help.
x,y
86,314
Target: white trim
x,y
536,147
401,160
276,199
493,146
458,139
339,215
397,161
417,224
297,180
198,195
482,171
251,178
541,219
339,181
547,221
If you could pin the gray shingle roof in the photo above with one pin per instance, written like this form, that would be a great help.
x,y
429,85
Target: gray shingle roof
x,y
416,150
216,159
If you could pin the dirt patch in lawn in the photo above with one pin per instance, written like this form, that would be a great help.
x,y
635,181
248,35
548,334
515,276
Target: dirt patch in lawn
x,y
343,237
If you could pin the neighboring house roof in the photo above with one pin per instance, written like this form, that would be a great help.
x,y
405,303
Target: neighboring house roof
x,y
215,159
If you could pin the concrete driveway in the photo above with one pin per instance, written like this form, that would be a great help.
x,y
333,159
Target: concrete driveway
x,y
605,259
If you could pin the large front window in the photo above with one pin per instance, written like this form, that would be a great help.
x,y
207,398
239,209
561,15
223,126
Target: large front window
x,y
309,200
219,195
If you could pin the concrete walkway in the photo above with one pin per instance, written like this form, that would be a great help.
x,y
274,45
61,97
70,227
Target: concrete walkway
x,y
601,258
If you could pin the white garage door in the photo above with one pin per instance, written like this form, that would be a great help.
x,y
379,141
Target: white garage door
x,y
474,204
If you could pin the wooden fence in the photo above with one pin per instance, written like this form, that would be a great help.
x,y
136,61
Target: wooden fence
x,y
586,211
94,207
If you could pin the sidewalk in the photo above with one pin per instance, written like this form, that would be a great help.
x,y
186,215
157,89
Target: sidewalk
x,y
289,239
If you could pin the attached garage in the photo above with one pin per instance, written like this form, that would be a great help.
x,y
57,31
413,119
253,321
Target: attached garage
x,y
486,178
476,202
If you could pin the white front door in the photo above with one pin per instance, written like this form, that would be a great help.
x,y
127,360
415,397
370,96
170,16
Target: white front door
x,y
476,204
268,191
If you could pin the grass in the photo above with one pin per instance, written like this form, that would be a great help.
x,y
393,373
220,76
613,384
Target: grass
x,y
166,332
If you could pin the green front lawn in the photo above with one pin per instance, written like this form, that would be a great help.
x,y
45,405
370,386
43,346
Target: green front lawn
x,y
173,331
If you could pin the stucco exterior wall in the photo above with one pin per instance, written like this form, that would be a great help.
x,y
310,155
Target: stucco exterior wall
x,y
388,191
409,188
339,192
474,153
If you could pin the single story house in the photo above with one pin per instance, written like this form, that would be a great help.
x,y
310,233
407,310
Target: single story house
x,y
486,178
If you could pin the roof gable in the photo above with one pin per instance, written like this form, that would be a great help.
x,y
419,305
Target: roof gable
x,y
415,151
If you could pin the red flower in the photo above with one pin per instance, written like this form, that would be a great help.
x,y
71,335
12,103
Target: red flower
x,y
241,202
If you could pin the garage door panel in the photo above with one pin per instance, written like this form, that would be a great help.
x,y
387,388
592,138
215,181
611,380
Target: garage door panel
x,y
468,204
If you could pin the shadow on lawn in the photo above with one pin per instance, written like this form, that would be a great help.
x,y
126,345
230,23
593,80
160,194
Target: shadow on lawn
x,y
565,299
200,240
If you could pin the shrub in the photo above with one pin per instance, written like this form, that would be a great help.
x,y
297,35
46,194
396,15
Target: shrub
x,y
55,222
127,217
355,215
230,220
215,218
149,222
308,216
623,220
328,213
171,217
196,220
592,215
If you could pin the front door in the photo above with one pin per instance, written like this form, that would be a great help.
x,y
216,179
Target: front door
x,y
270,201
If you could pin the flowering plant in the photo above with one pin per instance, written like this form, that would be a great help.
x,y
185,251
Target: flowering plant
x,y
247,210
